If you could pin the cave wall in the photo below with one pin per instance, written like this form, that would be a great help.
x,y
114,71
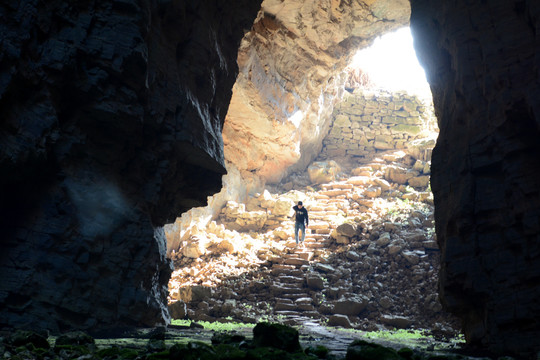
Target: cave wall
x,y
111,117
291,75
367,122
482,61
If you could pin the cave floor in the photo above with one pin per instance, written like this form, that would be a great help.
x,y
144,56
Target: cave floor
x,y
312,334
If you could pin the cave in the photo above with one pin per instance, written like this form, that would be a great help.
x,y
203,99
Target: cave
x,y
114,122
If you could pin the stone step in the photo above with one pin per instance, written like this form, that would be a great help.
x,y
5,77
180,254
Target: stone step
x,y
290,279
284,307
334,192
315,237
305,307
323,231
296,261
306,255
316,245
290,272
288,291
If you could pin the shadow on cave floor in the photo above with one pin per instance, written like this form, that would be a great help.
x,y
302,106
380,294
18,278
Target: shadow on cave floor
x,y
369,261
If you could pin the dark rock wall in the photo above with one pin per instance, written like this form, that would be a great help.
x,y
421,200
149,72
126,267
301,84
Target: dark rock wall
x,y
482,60
111,117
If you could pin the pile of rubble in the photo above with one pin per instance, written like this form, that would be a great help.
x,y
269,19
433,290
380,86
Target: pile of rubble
x,y
369,258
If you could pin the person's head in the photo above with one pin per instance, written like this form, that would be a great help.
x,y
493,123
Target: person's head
x,y
300,204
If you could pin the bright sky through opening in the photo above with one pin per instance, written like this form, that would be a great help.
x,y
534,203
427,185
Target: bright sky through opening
x,y
391,64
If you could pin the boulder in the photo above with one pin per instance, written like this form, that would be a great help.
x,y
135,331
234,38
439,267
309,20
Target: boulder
x,y
178,310
266,200
314,282
383,240
252,220
373,192
339,320
363,350
226,246
411,257
324,268
277,336
283,207
195,293
352,255
383,184
400,322
347,229
282,234
353,306
195,248
321,172
398,174
419,181
342,239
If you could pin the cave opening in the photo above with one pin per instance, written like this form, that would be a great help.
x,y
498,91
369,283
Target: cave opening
x,y
369,260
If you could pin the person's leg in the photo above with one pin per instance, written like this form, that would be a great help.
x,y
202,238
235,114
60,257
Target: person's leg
x,y
303,227
296,228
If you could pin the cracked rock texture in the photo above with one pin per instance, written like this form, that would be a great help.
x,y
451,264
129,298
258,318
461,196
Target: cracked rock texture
x,y
291,74
482,61
111,127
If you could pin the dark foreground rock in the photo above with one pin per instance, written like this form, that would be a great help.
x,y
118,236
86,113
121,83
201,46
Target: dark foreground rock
x,y
270,341
110,129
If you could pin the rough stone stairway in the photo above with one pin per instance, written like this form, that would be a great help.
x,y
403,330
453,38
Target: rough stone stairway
x,y
369,258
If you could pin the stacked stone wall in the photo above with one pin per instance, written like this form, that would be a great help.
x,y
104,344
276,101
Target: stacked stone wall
x,y
366,122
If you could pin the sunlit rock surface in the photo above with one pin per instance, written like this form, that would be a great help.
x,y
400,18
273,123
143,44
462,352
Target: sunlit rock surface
x,y
291,75
482,62
291,66
111,127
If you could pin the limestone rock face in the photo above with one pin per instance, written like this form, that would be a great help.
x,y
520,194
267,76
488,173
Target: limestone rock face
x,y
290,77
483,71
111,126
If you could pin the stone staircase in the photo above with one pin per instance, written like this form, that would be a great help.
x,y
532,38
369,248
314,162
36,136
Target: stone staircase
x,y
381,268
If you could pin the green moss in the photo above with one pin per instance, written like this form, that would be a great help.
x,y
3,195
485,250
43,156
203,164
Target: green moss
x,y
276,335
214,326
319,351
229,352
406,353
227,338
24,337
75,338
267,353
115,352
192,351
363,350
72,350
162,355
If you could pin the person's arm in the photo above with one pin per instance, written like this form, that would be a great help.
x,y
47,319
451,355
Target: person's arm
x,y
307,218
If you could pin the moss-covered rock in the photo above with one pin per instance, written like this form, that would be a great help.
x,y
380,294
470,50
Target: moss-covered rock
x,y
229,352
155,345
75,338
117,353
406,353
268,353
276,336
192,351
319,351
162,355
363,350
72,351
227,338
24,337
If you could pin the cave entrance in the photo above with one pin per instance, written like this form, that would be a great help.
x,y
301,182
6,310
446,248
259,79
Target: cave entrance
x,y
369,258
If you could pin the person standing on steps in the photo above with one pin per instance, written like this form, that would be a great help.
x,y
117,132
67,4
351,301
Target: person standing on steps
x,y
302,221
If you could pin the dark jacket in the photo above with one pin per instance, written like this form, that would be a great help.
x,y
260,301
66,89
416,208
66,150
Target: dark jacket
x,y
301,215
